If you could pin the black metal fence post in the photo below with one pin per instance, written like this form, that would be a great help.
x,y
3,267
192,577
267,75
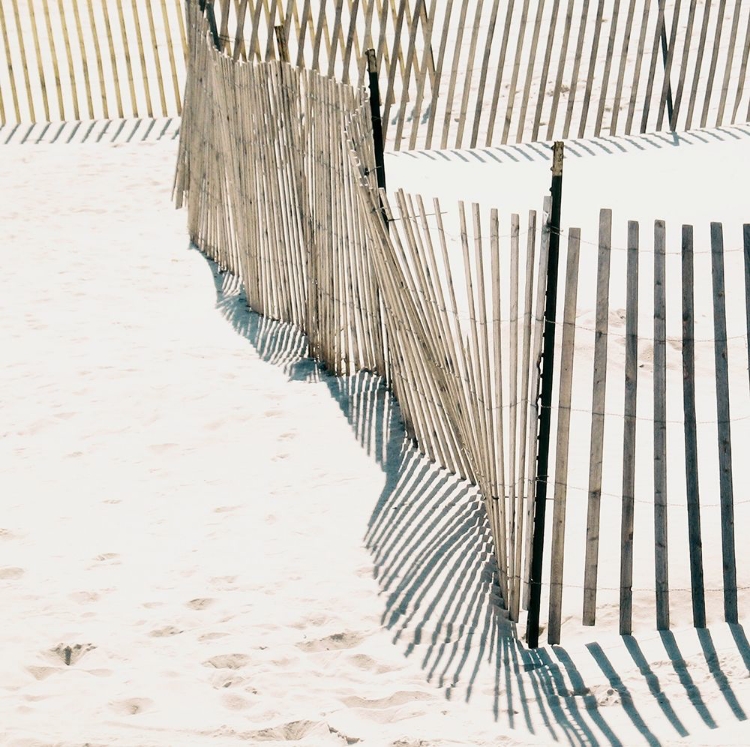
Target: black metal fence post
x,y
377,122
545,413
208,7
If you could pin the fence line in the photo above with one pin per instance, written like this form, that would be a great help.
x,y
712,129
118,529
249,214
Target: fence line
x,y
455,74
83,60
475,74
277,169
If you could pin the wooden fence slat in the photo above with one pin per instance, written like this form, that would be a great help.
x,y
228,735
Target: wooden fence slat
x,y
40,66
592,69
179,7
714,61
661,533
24,61
483,74
352,41
557,551
438,76
84,60
695,541
607,68
741,77
9,62
726,487
528,426
489,432
728,60
466,80
629,433
597,418
172,59
568,25
666,89
99,61
142,56
698,64
128,59
157,61
425,67
683,65
637,73
410,58
113,59
497,349
530,68
652,68
448,115
500,72
541,98
616,105
516,69
574,76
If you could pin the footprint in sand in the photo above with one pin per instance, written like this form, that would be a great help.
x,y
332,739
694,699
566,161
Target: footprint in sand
x,y
200,604
331,642
68,654
131,706
169,630
212,636
110,558
236,702
227,661
392,701
11,574
290,732
84,597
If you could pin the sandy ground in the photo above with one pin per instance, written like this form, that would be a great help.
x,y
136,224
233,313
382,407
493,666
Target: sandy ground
x,y
204,538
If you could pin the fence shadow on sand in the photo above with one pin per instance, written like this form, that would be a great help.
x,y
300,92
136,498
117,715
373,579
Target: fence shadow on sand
x,y
430,543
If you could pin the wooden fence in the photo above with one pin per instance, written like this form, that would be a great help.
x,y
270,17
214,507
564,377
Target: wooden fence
x,y
647,375
281,211
277,169
470,73
455,73
102,59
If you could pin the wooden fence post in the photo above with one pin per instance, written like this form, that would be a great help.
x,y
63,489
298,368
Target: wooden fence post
x,y
281,43
540,498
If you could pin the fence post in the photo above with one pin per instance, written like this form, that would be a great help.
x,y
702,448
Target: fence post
x,y
377,122
665,56
281,43
545,410
208,7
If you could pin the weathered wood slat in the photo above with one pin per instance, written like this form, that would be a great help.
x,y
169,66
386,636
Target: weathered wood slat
x,y
629,433
695,540
528,426
661,533
726,484
597,418
616,105
679,92
557,551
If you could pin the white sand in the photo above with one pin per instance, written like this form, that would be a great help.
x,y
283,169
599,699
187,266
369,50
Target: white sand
x,y
234,545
